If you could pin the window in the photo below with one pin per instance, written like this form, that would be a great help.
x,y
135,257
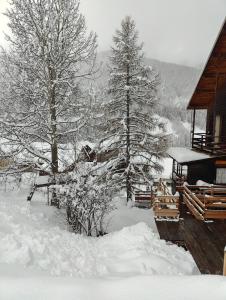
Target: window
x,y
221,176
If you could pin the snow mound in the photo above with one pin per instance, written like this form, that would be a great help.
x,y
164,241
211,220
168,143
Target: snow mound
x,y
30,239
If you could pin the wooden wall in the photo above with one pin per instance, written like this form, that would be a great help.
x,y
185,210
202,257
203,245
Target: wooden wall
x,y
220,109
210,120
204,170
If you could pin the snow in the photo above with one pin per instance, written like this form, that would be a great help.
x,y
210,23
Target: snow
x,y
126,215
168,124
188,126
167,164
41,259
31,238
183,155
203,183
142,288
42,179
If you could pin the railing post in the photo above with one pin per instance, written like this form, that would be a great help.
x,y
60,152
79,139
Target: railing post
x,y
224,267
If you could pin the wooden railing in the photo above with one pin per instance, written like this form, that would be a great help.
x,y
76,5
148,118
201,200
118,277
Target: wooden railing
x,y
193,203
209,143
144,199
205,202
166,206
163,188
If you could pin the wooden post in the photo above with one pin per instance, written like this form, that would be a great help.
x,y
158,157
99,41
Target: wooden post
x,y
193,127
224,267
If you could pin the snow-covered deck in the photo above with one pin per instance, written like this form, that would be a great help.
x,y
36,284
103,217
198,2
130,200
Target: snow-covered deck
x,y
185,155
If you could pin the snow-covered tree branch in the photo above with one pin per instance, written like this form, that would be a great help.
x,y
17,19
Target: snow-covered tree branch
x,y
50,56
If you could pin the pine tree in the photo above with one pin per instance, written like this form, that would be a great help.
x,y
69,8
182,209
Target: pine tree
x,y
50,54
132,130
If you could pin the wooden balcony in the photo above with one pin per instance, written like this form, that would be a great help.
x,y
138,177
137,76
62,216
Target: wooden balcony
x,y
208,143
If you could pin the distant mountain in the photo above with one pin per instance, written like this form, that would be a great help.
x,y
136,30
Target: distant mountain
x,y
177,81
177,85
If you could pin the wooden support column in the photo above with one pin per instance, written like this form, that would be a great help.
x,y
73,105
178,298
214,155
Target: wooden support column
x,y
193,126
224,267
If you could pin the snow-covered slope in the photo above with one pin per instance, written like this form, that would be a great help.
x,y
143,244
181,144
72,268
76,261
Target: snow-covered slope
x,y
31,238
40,259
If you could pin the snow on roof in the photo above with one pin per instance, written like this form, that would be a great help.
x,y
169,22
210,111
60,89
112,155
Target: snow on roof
x,y
183,155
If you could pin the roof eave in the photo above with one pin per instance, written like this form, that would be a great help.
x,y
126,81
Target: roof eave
x,y
205,66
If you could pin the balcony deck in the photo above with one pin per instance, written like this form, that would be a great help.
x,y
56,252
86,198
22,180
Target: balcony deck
x,y
204,240
210,144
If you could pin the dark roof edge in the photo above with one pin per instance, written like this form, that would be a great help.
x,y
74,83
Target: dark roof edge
x,y
219,33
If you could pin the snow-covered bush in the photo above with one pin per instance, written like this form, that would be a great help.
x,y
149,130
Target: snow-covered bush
x,y
88,199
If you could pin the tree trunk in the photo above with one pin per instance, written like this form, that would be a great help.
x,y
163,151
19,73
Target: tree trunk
x,y
53,126
128,175
52,104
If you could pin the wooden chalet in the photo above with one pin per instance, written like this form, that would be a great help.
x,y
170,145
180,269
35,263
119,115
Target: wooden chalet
x,y
199,173
206,160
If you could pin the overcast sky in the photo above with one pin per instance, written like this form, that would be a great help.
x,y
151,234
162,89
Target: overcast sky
x,y
180,31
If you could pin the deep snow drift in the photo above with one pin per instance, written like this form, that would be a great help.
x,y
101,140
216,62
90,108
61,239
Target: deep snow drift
x,y
41,259
29,237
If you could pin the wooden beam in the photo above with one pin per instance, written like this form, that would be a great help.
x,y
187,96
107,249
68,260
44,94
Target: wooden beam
x,y
192,209
196,199
224,267
215,214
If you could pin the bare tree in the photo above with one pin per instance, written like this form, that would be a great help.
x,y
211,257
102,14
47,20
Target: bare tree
x,y
50,55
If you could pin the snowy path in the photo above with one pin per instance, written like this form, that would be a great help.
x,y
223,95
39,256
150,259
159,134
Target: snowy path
x,y
40,259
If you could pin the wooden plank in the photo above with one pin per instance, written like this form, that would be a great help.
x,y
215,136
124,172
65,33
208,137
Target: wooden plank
x,y
142,198
202,246
196,251
192,201
220,163
196,199
215,199
166,213
192,209
169,231
217,231
163,205
163,229
219,205
215,214
167,199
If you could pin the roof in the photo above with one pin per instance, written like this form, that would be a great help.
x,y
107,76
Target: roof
x,y
186,155
213,76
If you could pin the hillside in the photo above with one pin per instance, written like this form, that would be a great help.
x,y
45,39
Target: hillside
x,y
176,87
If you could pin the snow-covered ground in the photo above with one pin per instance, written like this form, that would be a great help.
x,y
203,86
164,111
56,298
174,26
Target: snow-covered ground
x,y
41,259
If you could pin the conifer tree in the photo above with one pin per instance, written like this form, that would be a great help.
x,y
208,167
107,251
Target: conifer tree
x,y
132,130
